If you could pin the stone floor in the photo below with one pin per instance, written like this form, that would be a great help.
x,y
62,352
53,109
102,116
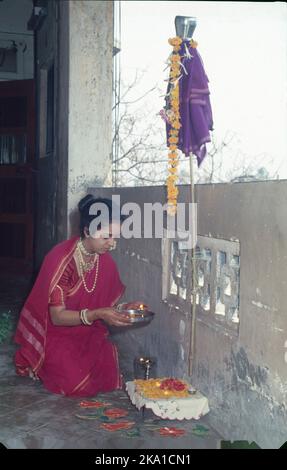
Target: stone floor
x,y
31,417
13,291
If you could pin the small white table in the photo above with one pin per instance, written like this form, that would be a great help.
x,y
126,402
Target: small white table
x,y
193,407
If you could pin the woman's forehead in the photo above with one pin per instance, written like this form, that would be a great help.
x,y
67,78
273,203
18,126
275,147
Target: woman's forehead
x,y
111,230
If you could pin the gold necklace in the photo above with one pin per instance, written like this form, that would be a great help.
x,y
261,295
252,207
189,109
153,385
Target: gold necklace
x,y
97,262
86,265
83,249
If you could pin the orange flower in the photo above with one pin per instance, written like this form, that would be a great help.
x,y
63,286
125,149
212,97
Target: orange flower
x,y
175,58
173,196
173,191
175,41
174,120
177,125
170,183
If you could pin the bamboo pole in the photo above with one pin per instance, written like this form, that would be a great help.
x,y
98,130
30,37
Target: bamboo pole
x,y
193,267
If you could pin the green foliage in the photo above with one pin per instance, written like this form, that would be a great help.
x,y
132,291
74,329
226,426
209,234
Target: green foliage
x,y
6,326
239,445
200,430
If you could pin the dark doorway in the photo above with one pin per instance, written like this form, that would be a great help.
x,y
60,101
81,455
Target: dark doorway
x,y
17,165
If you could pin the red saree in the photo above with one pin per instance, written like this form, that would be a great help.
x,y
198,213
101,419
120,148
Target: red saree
x,y
71,360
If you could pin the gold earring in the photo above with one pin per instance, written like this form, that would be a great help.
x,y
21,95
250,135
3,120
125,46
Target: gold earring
x,y
113,247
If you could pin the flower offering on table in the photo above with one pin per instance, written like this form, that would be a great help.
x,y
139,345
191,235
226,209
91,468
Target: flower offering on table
x,y
168,398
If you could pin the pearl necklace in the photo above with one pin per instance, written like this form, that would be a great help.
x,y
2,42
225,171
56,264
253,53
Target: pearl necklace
x,y
83,249
86,265
82,273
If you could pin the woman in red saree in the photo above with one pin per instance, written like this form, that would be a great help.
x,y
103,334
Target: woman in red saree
x,y
62,330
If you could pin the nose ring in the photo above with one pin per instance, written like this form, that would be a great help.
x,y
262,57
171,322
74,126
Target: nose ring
x,y
113,247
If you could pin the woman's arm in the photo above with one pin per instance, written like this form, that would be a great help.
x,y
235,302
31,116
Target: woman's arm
x,y
60,316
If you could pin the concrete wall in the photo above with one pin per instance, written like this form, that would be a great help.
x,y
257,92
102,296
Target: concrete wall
x,y
14,15
78,37
244,376
90,96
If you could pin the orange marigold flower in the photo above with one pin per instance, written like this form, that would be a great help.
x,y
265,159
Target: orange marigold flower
x,y
175,58
175,92
175,41
174,73
173,140
174,98
174,103
173,192
170,182
171,200
175,66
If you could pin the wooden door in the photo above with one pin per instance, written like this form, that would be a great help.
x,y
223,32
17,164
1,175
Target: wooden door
x,y
17,168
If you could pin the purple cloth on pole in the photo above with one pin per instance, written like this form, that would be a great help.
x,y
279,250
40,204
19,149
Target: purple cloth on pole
x,y
195,109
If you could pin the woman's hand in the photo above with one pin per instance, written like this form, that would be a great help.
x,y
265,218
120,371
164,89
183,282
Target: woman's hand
x,y
110,316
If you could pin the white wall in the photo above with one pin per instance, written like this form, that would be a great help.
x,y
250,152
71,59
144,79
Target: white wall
x,y
90,96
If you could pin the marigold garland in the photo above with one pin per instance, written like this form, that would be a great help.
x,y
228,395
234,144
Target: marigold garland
x,y
174,121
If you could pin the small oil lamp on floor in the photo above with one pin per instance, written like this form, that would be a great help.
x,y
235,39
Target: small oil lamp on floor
x,y
145,366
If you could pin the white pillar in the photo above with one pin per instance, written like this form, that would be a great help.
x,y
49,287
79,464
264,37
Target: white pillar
x,y
90,97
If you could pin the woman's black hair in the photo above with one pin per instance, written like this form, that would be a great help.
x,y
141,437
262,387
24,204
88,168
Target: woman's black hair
x,y
84,208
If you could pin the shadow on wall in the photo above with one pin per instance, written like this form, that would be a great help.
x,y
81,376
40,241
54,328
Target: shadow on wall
x,y
74,220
